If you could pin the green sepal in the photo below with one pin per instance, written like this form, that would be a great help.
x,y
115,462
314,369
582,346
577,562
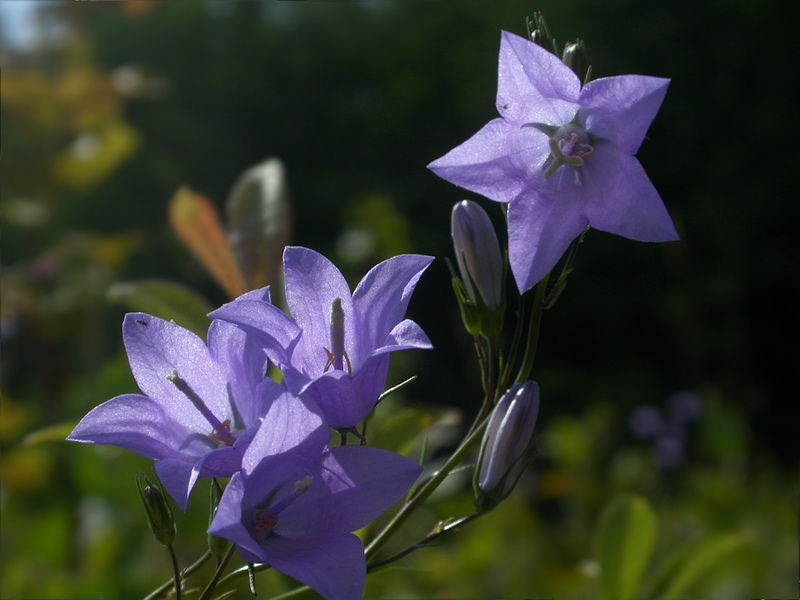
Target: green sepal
x,y
157,509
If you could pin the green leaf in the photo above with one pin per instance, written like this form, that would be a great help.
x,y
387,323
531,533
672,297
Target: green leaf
x,y
690,564
53,433
626,536
164,299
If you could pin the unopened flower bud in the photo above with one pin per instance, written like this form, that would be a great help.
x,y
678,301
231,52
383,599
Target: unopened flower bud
x,y
503,454
157,509
575,58
539,32
480,263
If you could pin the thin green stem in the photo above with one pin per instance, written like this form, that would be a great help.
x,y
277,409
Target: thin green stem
x,y
533,331
515,341
217,574
176,571
437,533
241,571
185,573
425,491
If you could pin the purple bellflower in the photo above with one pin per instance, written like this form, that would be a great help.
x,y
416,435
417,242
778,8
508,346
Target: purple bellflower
x,y
201,404
340,359
294,504
562,157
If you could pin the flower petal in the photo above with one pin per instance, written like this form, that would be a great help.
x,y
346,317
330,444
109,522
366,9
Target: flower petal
x,y
495,161
364,482
178,477
288,425
540,229
634,209
155,349
136,423
622,108
334,566
312,284
533,85
382,297
227,522
406,335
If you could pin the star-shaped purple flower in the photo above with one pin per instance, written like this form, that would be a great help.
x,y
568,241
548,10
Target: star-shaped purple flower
x,y
562,156
294,504
201,405
341,357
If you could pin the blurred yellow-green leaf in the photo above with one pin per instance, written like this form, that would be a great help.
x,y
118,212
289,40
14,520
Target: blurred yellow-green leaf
x,y
166,300
626,537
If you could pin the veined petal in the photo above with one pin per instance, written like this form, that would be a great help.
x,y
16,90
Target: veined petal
x,y
634,208
333,566
312,284
346,400
178,476
277,331
364,483
381,299
288,425
495,161
622,108
406,335
533,85
227,522
136,423
540,229
155,349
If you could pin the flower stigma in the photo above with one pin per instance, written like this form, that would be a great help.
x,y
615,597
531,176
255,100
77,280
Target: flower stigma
x,y
221,431
569,146
337,356
265,519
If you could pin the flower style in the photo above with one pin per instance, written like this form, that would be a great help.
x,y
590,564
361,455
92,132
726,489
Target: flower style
x,y
201,405
294,504
341,357
562,157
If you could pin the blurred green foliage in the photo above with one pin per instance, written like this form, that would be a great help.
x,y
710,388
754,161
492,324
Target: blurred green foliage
x,y
118,105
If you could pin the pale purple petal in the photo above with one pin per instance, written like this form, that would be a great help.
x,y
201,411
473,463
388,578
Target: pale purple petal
x,y
381,299
277,331
622,108
333,566
227,522
364,483
495,161
155,349
178,477
288,425
346,400
136,423
540,229
406,335
312,284
533,84
634,209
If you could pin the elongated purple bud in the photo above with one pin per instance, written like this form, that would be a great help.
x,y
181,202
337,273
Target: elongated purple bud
x,y
505,444
478,254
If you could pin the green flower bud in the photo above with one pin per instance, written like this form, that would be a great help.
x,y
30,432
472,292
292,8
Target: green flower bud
x,y
575,58
504,448
157,509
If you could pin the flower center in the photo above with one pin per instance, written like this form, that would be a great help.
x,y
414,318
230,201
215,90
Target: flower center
x,y
569,146
265,519
221,432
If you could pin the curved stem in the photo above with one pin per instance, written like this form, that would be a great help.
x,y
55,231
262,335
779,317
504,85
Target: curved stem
x,y
185,573
242,571
425,491
512,352
213,583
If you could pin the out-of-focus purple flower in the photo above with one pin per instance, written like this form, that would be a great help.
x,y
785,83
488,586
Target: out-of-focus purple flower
x,y
294,504
668,432
562,156
646,422
200,407
341,358
507,437
683,406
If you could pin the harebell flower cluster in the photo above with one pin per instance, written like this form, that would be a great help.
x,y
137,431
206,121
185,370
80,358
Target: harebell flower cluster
x,y
254,404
